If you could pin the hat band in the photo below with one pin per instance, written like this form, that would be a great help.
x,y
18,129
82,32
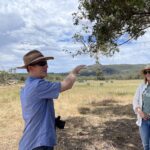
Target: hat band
x,y
38,58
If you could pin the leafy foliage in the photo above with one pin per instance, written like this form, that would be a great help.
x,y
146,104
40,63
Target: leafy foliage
x,y
107,24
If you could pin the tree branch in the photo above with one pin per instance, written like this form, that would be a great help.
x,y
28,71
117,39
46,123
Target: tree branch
x,y
142,13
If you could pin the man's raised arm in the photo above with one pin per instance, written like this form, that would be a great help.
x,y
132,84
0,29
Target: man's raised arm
x,y
68,82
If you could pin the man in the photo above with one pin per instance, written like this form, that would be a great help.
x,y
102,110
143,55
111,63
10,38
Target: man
x,y
37,102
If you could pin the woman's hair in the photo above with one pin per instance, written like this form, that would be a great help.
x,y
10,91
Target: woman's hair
x,y
145,79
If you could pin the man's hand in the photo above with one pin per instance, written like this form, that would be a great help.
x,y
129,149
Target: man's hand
x,y
77,69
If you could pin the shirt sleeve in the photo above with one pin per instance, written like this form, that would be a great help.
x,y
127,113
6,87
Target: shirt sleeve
x,y
48,90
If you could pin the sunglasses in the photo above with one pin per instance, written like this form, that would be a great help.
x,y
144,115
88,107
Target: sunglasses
x,y
40,63
146,72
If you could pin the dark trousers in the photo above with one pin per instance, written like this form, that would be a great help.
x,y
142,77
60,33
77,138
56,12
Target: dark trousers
x,y
43,148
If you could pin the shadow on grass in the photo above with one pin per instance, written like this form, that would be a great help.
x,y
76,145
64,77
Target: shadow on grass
x,y
113,134
123,133
106,107
79,134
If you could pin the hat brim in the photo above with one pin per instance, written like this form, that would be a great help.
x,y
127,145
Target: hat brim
x,y
34,61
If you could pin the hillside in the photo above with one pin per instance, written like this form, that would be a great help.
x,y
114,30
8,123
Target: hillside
x,y
114,71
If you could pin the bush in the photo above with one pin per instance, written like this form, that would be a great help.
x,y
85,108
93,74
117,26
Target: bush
x,y
4,76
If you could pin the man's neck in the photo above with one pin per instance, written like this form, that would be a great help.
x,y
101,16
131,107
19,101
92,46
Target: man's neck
x,y
33,75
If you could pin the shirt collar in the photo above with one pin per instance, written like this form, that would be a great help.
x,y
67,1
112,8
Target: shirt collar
x,y
30,78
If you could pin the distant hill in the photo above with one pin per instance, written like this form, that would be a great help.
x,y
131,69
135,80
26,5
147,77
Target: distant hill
x,y
118,70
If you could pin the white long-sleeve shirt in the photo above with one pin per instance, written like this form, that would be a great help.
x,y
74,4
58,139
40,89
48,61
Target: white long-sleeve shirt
x,y
137,101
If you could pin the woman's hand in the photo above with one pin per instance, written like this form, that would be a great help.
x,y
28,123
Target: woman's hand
x,y
142,114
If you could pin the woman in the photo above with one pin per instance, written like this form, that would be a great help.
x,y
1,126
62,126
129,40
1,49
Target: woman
x,y
141,106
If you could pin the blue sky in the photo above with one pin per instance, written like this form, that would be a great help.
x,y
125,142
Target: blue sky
x,y
47,25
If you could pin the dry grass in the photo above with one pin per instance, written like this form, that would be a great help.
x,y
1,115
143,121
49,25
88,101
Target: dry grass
x,y
98,116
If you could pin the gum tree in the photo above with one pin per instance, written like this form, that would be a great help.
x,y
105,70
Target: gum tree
x,y
107,24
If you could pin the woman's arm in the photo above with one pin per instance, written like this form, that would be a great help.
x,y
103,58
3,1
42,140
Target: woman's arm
x,y
136,105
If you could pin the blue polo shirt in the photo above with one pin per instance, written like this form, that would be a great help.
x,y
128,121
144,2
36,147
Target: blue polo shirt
x,y
38,113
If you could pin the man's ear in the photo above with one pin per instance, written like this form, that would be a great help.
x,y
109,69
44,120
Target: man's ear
x,y
30,68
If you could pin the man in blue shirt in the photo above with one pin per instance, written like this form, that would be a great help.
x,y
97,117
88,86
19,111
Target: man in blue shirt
x,y
37,102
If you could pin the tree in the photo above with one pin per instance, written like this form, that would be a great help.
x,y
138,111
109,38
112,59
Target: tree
x,y
107,24
4,76
99,71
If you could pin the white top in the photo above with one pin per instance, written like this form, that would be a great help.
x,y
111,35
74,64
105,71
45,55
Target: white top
x,y
137,101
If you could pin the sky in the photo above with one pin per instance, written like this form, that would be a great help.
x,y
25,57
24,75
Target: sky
x,y
47,25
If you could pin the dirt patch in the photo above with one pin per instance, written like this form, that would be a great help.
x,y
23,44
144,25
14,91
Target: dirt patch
x,y
105,125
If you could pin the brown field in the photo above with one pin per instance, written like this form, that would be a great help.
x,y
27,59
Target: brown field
x,y
98,116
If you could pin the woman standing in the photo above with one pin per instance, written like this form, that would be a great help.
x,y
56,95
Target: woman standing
x,y
141,106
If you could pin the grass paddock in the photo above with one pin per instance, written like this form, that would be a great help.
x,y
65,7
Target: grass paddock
x,y
98,116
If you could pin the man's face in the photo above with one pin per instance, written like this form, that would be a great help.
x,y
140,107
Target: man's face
x,y
39,69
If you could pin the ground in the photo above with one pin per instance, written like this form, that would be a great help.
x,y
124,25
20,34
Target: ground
x,y
98,116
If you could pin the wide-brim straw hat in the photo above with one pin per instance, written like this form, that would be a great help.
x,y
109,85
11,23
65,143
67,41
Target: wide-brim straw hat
x,y
33,57
147,67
